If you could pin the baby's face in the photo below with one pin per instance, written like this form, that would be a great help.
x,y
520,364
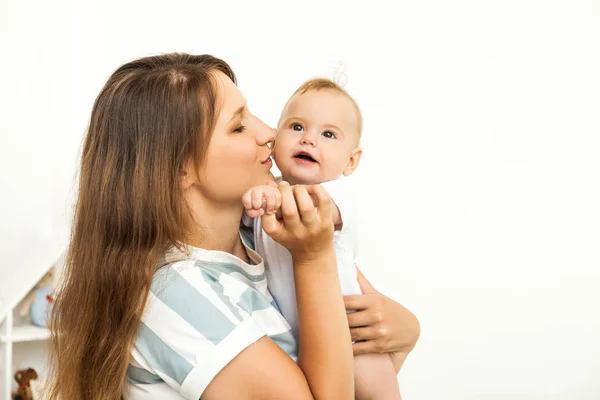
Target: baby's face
x,y
316,136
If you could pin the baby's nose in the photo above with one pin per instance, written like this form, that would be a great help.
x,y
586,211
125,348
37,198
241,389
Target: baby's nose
x,y
308,139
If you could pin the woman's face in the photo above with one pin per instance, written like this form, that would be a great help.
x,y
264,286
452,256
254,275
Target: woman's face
x,y
238,155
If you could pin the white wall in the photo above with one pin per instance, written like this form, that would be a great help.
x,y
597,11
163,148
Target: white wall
x,y
37,151
481,139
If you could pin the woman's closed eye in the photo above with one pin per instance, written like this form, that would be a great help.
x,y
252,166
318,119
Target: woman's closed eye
x,y
240,129
329,135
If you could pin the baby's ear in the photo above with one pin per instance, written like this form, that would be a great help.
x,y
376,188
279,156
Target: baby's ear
x,y
353,162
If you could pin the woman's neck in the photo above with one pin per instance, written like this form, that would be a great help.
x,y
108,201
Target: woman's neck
x,y
217,227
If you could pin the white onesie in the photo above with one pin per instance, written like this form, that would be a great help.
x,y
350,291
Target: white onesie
x,y
278,260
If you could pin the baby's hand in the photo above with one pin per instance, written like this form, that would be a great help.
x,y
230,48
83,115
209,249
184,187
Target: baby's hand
x,y
260,200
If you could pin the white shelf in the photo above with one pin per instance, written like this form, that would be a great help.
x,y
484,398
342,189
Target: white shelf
x,y
32,267
26,333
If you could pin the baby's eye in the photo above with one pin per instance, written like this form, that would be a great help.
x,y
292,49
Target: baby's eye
x,y
329,134
297,127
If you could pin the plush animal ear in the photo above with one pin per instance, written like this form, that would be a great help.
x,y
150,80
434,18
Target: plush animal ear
x,y
29,374
18,376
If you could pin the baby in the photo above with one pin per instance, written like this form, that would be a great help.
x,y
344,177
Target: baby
x,y
318,141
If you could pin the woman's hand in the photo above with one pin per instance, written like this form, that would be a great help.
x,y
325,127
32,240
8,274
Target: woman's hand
x,y
306,227
380,325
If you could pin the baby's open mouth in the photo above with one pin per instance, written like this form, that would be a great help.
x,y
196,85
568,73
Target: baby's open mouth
x,y
305,157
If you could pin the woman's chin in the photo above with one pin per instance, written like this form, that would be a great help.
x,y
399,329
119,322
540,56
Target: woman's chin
x,y
270,179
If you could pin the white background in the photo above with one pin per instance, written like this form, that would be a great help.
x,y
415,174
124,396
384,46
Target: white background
x,y
479,185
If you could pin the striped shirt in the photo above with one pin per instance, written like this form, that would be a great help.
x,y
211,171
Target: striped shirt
x,y
203,309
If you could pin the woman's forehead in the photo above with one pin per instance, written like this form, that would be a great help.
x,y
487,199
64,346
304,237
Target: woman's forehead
x,y
231,98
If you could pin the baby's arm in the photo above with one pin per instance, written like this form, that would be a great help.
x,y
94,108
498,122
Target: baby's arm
x,y
375,377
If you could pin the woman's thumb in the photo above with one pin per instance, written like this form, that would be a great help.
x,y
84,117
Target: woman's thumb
x,y
365,285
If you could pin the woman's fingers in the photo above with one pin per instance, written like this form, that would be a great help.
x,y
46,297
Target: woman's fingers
x,y
322,201
272,225
363,318
368,347
304,229
289,210
364,333
306,207
358,302
277,199
365,285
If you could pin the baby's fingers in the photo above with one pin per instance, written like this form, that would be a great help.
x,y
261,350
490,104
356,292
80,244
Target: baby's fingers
x,y
273,200
252,213
247,200
257,198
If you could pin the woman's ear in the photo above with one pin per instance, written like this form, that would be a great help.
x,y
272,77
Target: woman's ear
x,y
188,175
353,162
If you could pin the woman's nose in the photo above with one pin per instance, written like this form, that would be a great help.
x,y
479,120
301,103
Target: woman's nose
x,y
265,134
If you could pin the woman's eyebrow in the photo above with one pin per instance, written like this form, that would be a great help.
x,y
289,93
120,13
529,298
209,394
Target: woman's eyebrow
x,y
238,112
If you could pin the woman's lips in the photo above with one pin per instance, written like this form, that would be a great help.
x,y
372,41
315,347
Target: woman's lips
x,y
268,162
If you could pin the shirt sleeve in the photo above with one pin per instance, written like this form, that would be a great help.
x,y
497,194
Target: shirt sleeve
x,y
247,220
193,326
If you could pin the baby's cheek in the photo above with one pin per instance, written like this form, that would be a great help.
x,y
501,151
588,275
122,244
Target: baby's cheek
x,y
280,144
334,165
279,151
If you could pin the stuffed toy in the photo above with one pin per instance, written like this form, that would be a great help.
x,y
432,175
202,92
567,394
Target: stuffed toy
x,y
38,389
23,378
39,300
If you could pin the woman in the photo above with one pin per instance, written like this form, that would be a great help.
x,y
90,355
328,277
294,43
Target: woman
x,y
163,295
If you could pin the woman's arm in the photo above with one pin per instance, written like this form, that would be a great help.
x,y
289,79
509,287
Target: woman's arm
x,y
325,362
325,353
324,370
381,325
262,371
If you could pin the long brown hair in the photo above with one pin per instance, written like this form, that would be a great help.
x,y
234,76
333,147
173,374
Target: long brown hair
x,y
153,115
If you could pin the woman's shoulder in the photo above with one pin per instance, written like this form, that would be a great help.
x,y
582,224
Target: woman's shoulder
x,y
202,310
202,277
192,263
